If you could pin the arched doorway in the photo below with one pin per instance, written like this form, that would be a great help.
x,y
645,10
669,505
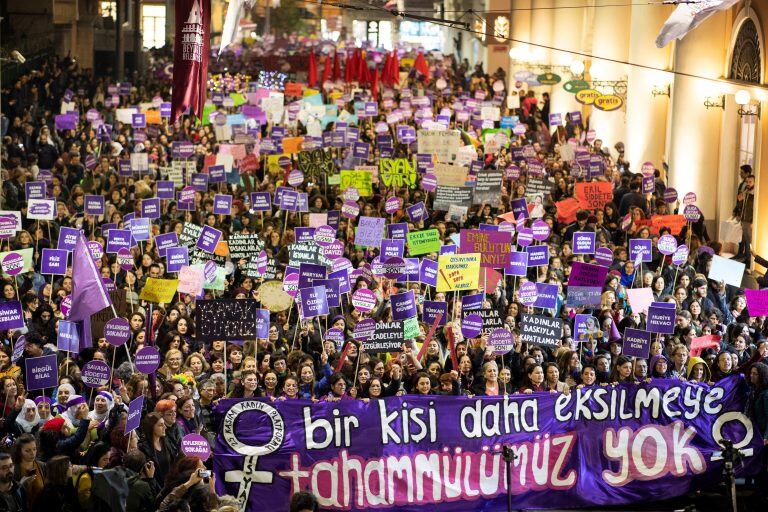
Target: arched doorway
x,y
746,66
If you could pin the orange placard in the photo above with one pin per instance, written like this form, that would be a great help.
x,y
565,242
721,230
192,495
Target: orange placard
x,y
594,195
222,249
566,210
675,223
292,145
153,117
293,89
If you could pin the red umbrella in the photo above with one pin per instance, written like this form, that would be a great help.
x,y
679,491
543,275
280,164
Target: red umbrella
x,y
326,69
336,67
312,72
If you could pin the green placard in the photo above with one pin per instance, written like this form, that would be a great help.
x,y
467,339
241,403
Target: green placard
x,y
423,242
411,328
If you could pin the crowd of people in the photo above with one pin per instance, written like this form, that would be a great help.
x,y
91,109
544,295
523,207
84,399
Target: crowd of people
x,y
58,444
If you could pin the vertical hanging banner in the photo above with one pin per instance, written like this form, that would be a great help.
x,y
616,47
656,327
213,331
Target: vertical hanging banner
x,y
601,447
191,51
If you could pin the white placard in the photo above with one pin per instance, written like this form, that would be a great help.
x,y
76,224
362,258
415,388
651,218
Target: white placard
x,y
730,271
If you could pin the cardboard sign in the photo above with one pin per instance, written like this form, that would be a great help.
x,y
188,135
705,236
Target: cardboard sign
x,y
423,242
724,269
661,319
594,195
587,274
227,319
757,302
386,337
541,330
494,247
637,343
41,372
159,290
458,272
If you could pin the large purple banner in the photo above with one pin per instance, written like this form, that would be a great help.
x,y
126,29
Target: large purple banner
x,y
597,446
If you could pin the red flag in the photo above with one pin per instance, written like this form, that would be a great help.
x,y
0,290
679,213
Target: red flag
x,y
421,66
326,69
349,66
375,85
312,71
336,67
190,56
385,70
394,76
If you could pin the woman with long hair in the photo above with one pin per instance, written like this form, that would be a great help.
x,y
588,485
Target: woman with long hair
x,y
552,379
248,387
59,493
156,446
25,464
622,371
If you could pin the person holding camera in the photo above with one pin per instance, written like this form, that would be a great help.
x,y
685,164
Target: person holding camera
x,y
143,488
192,482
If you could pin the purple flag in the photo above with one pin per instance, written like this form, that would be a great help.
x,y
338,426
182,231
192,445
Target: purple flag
x,y
89,296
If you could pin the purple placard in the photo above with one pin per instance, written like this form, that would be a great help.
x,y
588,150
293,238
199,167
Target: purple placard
x,y
392,248
640,247
262,323
94,205
398,230
332,292
637,343
370,231
308,273
471,325
584,242
11,315
147,359
518,264
222,204
117,331
520,207
472,302
538,255
41,372
195,445
428,272
661,319
140,229
176,258
95,374
261,201
342,276
431,309
68,338
209,237
604,256
134,414
587,274
165,190
417,212
35,190
304,234
312,302
547,296
164,241
150,208
54,262
403,305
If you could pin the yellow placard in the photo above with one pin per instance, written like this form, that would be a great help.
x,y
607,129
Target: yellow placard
x,y
273,166
361,180
159,290
458,272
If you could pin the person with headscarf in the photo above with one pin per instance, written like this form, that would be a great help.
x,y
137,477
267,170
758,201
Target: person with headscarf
x,y
77,408
102,406
28,421
63,394
43,404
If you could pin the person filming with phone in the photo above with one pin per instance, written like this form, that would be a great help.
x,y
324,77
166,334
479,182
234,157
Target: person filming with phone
x,y
192,482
